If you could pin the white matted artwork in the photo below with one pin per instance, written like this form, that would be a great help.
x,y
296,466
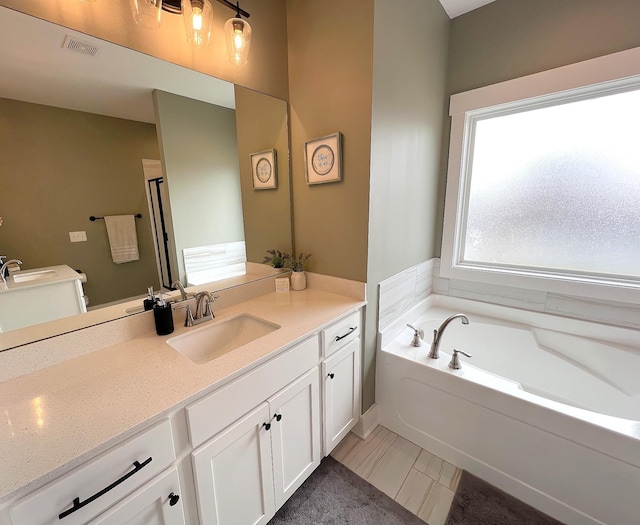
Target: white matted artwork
x,y
264,168
323,159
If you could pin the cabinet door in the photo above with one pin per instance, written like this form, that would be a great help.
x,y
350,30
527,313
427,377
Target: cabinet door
x,y
234,477
295,434
156,503
341,395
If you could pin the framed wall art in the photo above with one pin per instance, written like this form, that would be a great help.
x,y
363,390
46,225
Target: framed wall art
x,y
323,159
264,168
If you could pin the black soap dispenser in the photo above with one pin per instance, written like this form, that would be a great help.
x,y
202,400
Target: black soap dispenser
x,y
163,315
150,301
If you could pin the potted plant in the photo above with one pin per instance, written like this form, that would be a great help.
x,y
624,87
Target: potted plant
x,y
297,264
276,258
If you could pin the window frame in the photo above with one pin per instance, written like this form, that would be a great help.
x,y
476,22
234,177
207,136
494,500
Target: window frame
x,y
610,74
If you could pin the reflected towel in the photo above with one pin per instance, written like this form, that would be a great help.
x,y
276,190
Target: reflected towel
x,y
123,239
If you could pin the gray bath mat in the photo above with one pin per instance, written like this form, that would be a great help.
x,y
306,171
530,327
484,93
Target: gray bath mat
x,y
476,502
333,495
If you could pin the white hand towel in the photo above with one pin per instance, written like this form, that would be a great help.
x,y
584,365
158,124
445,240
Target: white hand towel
x,y
123,239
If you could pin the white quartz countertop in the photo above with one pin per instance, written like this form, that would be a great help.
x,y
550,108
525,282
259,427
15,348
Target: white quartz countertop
x,y
56,418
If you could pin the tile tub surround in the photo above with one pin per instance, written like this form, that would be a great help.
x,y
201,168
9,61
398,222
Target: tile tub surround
x,y
401,292
56,418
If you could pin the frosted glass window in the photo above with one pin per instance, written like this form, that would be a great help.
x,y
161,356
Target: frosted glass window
x,y
556,188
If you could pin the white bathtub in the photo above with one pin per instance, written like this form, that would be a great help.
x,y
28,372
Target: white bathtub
x,y
548,408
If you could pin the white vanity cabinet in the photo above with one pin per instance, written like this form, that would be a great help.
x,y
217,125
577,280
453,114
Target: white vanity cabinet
x,y
295,434
341,379
245,472
242,449
234,473
87,491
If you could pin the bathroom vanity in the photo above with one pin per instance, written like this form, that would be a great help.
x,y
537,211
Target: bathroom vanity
x,y
137,431
38,295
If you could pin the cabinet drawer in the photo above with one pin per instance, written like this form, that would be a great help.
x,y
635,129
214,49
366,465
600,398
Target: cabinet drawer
x,y
340,333
95,486
219,409
157,502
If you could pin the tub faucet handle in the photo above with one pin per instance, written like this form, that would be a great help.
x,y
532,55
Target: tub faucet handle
x,y
455,360
418,336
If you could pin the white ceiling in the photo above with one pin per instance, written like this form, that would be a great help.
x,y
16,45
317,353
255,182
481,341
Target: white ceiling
x,y
116,81
459,7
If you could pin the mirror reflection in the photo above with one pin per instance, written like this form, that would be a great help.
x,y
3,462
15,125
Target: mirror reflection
x,y
122,133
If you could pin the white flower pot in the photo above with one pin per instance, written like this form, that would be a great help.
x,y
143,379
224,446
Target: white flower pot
x,y
298,281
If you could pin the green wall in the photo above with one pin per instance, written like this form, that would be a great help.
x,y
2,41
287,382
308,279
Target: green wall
x,y
58,168
330,89
409,88
199,152
512,38
350,70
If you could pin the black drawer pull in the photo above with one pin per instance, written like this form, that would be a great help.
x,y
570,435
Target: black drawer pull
x,y
331,375
77,504
267,426
278,417
351,330
173,499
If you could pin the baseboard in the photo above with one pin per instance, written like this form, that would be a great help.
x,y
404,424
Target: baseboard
x,y
367,423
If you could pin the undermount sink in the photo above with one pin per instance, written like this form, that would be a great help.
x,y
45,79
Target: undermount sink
x,y
23,277
220,337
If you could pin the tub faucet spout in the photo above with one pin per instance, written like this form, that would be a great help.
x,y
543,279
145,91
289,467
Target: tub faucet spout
x,y
434,353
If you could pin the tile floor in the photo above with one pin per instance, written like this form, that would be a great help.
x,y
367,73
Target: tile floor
x,y
418,480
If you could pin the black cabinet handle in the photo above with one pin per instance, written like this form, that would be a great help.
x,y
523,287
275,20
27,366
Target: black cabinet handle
x,y
173,499
77,504
351,330
278,417
331,375
267,426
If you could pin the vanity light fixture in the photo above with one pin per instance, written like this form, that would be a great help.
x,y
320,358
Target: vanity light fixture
x,y
238,34
198,17
146,13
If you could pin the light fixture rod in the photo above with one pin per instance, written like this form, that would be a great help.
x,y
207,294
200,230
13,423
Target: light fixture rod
x,y
234,7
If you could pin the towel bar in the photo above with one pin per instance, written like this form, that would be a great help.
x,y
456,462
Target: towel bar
x,y
94,218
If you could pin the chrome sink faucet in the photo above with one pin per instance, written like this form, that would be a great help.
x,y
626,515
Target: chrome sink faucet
x,y
205,314
3,268
434,353
201,315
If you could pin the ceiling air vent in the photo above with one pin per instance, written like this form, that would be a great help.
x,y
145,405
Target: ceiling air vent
x,y
73,44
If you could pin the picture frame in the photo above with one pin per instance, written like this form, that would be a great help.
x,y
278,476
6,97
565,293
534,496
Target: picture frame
x,y
264,170
323,159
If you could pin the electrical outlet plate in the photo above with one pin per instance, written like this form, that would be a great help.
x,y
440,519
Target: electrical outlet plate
x,y
77,236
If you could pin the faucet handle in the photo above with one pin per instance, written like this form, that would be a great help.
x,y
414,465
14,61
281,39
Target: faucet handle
x,y
418,335
188,318
455,360
207,309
